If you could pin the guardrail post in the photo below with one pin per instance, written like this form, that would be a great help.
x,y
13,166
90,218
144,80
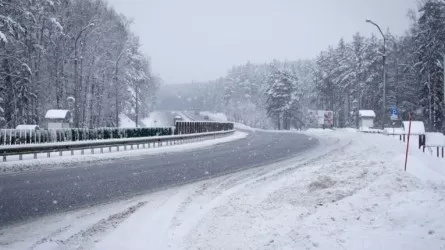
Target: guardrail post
x,y
35,155
101,150
437,152
81,152
4,158
125,147
72,152
442,152
60,153
92,151
20,157
48,155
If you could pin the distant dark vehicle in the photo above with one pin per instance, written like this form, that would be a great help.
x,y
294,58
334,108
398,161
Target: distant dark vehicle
x,y
206,117
177,119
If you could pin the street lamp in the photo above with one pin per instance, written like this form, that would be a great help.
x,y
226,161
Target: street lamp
x,y
384,71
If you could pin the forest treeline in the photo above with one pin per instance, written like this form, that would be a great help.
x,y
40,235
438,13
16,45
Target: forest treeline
x,y
71,54
342,78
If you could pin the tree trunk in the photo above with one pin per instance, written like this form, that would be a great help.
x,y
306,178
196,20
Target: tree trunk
x,y
137,106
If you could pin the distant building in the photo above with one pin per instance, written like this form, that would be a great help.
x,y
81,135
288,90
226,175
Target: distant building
x,y
417,127
366,118
58,118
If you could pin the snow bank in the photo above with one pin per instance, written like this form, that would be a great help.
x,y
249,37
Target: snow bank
x,y
371,130
395,131
434,140
3,37
158,119
126,122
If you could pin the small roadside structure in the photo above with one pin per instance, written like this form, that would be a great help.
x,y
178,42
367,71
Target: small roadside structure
x,y
27,127
417,127
366,118
58,118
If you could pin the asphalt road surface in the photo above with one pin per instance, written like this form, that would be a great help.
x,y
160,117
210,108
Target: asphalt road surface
x,y
30,195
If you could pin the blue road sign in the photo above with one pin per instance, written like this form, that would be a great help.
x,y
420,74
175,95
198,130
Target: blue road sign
x,y
394,111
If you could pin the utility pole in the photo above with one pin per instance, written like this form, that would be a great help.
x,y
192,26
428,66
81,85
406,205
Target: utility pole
x,y
443,101
384,72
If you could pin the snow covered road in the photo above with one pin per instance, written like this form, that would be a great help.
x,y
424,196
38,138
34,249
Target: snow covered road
x,y
349,193
78,184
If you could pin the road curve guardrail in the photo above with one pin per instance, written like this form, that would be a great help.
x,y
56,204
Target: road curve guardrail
x,y
144,142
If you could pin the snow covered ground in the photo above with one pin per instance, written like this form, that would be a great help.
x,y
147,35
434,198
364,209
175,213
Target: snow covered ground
x,y
155,119
349,193
126,122
158,119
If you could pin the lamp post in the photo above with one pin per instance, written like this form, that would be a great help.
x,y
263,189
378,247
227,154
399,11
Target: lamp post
x,y
384,72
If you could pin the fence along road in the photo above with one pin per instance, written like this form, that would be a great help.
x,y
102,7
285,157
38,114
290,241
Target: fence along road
x,y
185,131
26,196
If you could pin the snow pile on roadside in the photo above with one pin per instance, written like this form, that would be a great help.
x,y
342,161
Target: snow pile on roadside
x,y
126,122
157,119
349,193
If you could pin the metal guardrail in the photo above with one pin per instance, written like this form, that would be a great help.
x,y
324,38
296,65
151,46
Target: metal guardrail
x,y
21,150
32,136
182,127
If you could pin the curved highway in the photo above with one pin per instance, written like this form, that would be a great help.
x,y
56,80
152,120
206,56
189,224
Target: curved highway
x,y
30,195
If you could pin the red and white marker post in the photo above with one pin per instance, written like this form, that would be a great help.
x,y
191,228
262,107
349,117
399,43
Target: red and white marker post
x,y
409,134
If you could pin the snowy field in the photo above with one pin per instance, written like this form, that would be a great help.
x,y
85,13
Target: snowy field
x,y
349,193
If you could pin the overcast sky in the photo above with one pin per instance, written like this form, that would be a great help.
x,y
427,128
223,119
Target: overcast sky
x,y
197,40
